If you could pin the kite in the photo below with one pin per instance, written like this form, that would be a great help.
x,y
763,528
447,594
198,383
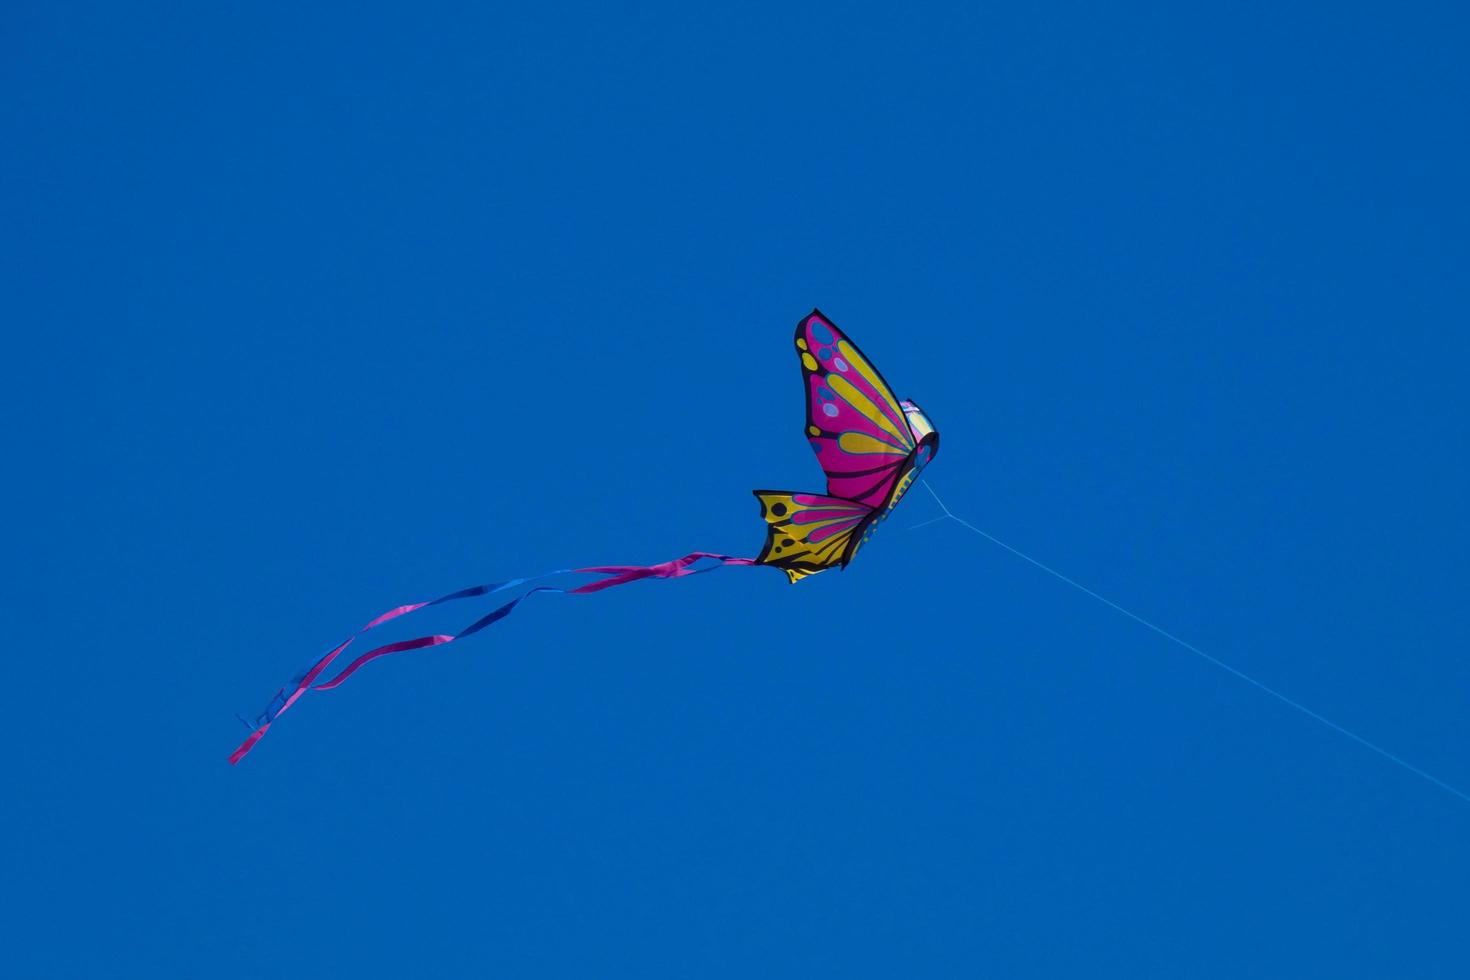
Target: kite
x,y
871,446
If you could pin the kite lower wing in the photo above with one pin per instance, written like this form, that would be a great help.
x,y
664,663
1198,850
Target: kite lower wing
x,y
808,533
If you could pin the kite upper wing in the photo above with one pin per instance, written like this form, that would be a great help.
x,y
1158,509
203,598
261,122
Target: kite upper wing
x,y
857,427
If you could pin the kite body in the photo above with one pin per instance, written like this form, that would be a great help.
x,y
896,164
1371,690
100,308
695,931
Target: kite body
x,y
871,446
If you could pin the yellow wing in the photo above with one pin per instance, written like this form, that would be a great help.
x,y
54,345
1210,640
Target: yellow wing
x,y
808,533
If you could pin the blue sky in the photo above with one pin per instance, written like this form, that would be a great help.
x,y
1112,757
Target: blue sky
x,y
315,311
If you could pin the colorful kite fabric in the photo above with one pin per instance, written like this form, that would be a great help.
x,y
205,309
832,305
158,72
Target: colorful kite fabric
x,y
871,446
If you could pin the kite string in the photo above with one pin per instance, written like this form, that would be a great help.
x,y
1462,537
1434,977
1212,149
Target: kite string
x,y
950,515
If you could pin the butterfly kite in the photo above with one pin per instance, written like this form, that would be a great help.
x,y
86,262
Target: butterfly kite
x,y
871,446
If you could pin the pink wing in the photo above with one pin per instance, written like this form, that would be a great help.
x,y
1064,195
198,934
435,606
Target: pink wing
x,y
855,424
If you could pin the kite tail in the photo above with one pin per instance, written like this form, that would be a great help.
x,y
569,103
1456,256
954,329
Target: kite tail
x,y
614,575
